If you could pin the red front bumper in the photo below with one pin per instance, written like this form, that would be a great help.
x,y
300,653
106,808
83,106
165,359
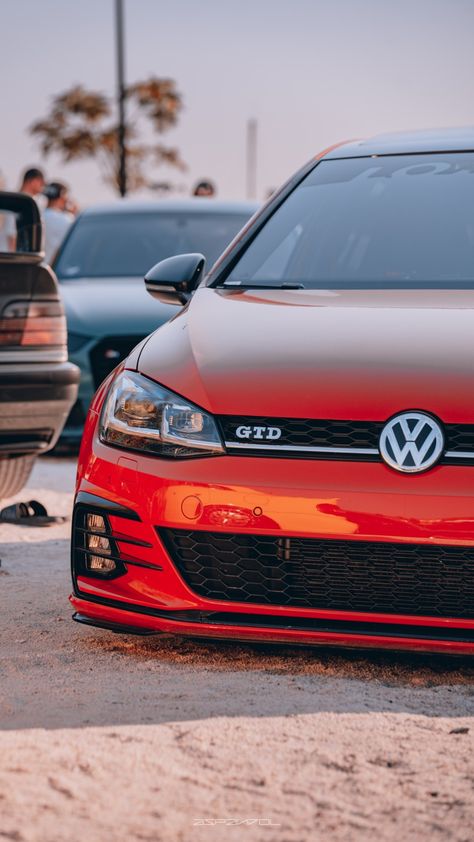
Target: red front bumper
x,y
300,498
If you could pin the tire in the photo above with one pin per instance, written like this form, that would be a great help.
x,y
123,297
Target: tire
x,y
14,473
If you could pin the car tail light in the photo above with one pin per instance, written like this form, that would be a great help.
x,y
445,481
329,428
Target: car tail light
x,y
33,323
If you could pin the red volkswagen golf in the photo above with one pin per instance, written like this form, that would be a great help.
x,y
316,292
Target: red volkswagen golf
x,y
291,457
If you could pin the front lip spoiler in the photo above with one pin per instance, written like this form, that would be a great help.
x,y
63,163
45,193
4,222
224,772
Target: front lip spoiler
x,y
277,623
111,626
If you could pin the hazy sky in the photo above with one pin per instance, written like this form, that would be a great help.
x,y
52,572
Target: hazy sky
x,y
311,72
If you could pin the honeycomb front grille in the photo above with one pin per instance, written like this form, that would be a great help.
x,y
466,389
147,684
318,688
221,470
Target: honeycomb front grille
x,y
306,432
328,439
372,577
460,437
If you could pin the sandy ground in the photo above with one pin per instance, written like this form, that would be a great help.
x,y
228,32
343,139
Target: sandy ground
x,y
111,738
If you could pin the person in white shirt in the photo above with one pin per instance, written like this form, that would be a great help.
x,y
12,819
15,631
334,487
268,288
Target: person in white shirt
x,y
32,183
57,220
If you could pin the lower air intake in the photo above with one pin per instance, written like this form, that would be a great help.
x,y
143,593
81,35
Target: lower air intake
x,y
371,577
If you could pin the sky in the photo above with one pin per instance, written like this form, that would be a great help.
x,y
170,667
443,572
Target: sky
x,y
310,72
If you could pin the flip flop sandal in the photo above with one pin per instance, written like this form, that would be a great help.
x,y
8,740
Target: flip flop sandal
x,y
31,513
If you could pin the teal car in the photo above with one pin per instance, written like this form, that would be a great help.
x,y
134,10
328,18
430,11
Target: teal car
x,y
100,268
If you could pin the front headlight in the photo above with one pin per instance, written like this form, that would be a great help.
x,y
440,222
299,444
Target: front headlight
x,y
139,414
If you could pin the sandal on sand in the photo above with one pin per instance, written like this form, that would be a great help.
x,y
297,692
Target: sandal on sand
x,y
29,514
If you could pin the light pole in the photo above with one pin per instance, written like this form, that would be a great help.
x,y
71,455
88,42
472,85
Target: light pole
x,y
122,169
251,158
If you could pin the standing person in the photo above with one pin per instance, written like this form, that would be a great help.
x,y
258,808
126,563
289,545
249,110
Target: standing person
x,y
33,185
57,220
204,188
33,182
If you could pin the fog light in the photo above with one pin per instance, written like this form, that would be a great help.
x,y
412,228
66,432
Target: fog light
x,y
99,542
95,550
96,523
102,565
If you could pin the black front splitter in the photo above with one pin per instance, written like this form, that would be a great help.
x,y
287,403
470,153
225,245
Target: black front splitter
x,y
118,628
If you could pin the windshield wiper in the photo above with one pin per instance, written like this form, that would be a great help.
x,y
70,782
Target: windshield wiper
x,y
245,285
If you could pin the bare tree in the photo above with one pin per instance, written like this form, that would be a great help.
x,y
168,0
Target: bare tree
x,y
80,124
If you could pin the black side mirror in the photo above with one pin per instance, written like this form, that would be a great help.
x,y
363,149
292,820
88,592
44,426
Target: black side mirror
x,y
173,280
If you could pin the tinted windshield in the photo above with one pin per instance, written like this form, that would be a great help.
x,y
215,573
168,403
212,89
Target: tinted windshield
x,y
390,221
127,244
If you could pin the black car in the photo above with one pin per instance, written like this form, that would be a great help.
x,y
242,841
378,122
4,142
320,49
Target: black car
x,y
37,383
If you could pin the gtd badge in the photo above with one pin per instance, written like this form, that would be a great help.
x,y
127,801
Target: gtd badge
x,y
258,433
411,442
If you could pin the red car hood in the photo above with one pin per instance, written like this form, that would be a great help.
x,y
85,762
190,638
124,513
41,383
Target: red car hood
x,y
360,355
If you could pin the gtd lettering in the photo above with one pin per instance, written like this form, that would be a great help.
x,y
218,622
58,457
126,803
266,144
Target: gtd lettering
x,y
260,433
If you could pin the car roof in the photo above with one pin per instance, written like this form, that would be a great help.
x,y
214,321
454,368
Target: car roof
x,y
194,205
404,143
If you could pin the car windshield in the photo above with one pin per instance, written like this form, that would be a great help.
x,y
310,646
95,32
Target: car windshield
x,y
127,244
374,222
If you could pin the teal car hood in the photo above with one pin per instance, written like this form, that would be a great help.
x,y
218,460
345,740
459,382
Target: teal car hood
x,y
112,306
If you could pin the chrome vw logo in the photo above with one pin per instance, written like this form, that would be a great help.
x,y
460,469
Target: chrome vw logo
x,y
411,442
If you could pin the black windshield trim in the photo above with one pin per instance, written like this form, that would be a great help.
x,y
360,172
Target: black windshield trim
x,y
334,286
242,285
399,154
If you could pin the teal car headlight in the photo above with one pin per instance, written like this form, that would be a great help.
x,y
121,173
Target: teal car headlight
x,y
138,414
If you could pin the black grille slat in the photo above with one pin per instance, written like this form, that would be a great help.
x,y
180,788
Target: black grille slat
x,y
101,364
309,433
370,577
77,415
460,437
300,432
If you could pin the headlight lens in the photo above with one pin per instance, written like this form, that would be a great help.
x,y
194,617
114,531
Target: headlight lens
x,y
141,415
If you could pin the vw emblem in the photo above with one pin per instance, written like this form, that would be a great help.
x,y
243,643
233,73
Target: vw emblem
x,y
411,442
